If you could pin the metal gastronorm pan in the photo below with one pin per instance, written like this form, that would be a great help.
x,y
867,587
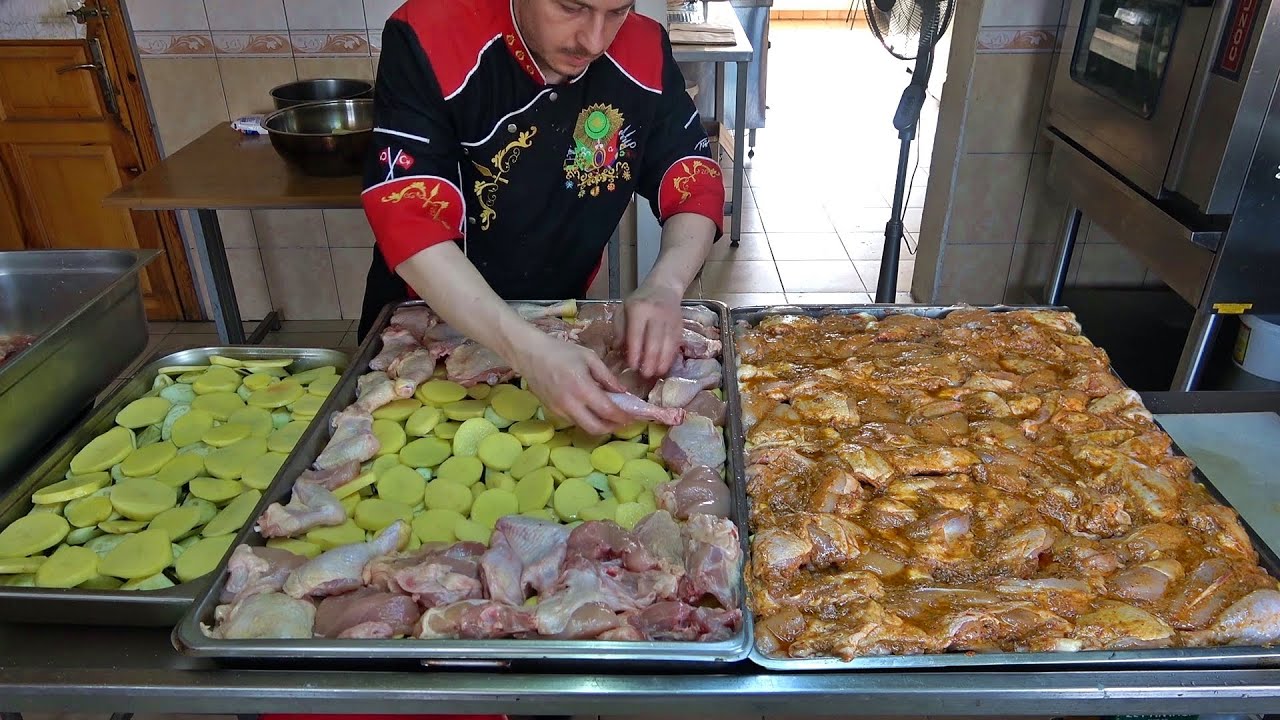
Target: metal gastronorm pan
x,y
1235,656
85,309
150,608
191,640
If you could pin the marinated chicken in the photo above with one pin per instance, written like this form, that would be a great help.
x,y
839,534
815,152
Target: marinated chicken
x,y
976,482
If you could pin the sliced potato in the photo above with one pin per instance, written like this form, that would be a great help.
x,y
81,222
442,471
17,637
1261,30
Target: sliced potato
x,y
499,451
188,429
137,556
462,470
531,458
630,513
233,517
466,442
516,404
260,471
472,531
448,495
147,461
634,430
390,436
217,379
439,392
329,538
587,441
159,581
436,525
177,522
306,407
277,395
606,509
88,511
374,514
258,420
573,495
225,434
229,462
306,377
122,527
446,430
532,432
492,505
142,498
76,486
423,421
321,387
534,490
202,558
465,410
181,470
363,481
401,484
629,450
220,404
104,451
67,567
297,547
397,410
572,461
33,534
646,471
607,460
283,440
215,490
21,566
143,412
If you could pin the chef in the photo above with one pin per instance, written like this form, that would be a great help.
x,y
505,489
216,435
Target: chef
x,y
510,136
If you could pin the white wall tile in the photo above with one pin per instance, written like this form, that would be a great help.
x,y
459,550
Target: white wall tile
x,y
246,14
350,269
167,15
1022,13
302,283
290,228
348,228
376,12
324,14
252,293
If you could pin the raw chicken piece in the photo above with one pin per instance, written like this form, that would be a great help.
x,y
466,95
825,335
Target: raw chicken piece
x,y
475,619
340,570
700,314
699,491
376,389
353,440
473,364
311,507
598,336
592,312
696,441
604,540
712,559
540,546
1253,619
1147,582
679,392
442,340
696,345
333,478
395,342
703,330
253,570
417,319
590,621
678,621
696,369
557,328
462,558
641,410
660,535
412,369
366,613
708,406
440,581
1117,625
633,381
265,616
581,584
500,570
623,633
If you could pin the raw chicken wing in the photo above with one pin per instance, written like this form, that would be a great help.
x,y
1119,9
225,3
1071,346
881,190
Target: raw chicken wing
x,y
340,570
641,410
353,440
311,507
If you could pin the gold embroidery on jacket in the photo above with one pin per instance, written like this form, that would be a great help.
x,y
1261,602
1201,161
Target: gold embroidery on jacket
x,y
486,190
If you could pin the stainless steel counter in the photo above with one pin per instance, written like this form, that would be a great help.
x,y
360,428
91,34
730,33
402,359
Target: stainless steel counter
x,y
100,670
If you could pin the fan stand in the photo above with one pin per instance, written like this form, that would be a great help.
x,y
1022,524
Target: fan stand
x,y
907,121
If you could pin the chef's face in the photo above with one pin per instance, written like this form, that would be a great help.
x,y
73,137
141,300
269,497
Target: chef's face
x,y
565,36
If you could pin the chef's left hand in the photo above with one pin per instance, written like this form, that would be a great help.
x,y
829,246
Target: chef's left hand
x,y
651,325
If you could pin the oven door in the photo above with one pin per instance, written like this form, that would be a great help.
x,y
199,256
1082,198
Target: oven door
x,y
1125,79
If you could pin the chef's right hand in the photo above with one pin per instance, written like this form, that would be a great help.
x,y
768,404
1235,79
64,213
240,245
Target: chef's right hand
x,y
572,382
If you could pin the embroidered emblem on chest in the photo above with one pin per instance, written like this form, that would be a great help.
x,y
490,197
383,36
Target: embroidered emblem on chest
x,y
495,176
419,190
602,143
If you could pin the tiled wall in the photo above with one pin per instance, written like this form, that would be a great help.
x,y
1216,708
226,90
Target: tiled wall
x,y
990,222
38,20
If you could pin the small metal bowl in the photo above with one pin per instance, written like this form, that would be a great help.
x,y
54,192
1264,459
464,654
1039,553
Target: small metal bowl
x,y
328,139
320,90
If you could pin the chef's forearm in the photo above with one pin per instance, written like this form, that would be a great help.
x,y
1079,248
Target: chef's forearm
x,y
444,277
686,241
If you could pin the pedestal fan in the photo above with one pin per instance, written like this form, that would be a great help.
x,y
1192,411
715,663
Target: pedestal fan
x,y
909,30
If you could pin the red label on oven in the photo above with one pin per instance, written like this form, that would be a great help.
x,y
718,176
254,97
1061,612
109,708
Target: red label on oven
x,y
1235,41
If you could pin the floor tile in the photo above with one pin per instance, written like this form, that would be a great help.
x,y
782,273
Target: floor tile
x,y
802,298
869,245
789,219
869,271
753,246
751,222
851,219
305,339
175,341
807,246
745,276
160,328
350,340
315,326
734,300
819,276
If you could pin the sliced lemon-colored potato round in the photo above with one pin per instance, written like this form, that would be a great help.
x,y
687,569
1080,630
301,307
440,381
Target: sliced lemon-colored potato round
x,y
143,412
32,534
102,452
76,486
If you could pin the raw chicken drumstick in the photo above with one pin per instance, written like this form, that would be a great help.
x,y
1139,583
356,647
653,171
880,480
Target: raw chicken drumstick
x,y
353,440
340,570
395,341
312,506
641,410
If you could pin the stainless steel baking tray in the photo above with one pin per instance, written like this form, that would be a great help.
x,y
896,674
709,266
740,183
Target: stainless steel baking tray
x,y
85,309
1235,656
151,608
189,639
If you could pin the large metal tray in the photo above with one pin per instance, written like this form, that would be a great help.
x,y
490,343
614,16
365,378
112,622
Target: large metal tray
x,y
85,309
152,608
1224,657
189,639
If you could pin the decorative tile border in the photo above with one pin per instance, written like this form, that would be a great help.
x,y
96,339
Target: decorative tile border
x,y
330,43
202,43
192,43
1019,40
252,44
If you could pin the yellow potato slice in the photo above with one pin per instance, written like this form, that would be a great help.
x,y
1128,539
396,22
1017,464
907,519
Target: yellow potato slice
x,y
606,509
385,463
283,440
329,538
626,489
258,420
181,369
88,511
122,527
220,405
138,556
402,485
225,361
67,567
188,429
226,434
493,504
306,407
572,496
55,508
515,404
229,462
202,558
355,486
446,430
109,448
532,432
498,451
629,450
607,460
260,471
350,502
181,470
142,498
397,410
425,452
477,489
258,381
629,514
573,462
22,566
143,412
531,458
587,441
321,387
632,431
479,392
423,421
466,442
465,410
268,363
436,525
648,472
534,490
102,582
560,439
217,379
374,514
159,581
207,509
439,392
306,377
657,433
234,515
390,436
462,470
215,490
76,486
297,547
472,531
447,495
177,522
148,459
277,395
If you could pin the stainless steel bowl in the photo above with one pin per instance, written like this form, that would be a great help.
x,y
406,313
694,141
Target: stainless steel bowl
x,y
320,90
326,138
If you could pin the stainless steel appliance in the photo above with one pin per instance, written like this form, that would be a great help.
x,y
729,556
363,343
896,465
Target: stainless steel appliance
x,y
1165,126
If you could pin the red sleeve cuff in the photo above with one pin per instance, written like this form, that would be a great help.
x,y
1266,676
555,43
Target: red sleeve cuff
x,y
410,214
692,185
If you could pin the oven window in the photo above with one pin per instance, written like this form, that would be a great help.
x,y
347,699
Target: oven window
x,y
1124,48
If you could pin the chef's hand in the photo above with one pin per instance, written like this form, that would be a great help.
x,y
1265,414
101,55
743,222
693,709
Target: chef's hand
x,y
572,382
651,325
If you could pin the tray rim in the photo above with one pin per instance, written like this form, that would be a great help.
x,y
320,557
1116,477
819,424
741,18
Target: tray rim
x,y
188,639
1229,655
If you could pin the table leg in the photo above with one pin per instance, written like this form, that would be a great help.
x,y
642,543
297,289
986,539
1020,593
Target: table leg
x,y
1062,258
226,313
739,143
615,264
1195,354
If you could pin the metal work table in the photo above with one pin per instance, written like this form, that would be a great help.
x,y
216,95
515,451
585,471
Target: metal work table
x,y
100,670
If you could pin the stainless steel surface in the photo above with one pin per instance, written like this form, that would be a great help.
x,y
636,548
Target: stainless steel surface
x,y
1062,258
190,640
85,309
153,608
1174,251
1226,657
320,89
327,138
1196,351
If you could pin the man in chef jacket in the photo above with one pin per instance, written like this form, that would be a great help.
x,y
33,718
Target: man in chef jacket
x,y
510,136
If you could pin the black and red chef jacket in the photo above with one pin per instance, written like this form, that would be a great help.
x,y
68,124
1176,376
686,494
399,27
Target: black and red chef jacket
x,y
471,144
